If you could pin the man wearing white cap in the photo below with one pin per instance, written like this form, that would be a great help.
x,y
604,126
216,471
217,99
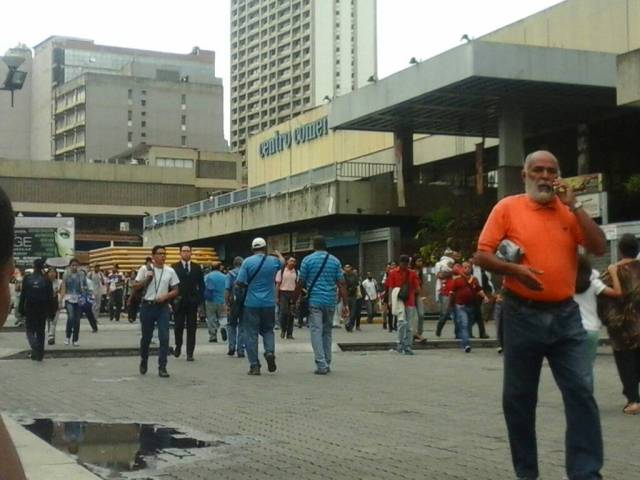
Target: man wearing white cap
x,y
257,275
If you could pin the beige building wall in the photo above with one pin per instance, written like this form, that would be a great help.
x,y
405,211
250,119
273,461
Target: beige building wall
x,y
599,25
334,147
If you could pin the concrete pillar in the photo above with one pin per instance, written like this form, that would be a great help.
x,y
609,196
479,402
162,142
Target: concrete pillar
x,y
582,141
510,150
403,148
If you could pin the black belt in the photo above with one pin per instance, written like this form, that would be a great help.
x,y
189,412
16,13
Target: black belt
x,y
536,303
151,302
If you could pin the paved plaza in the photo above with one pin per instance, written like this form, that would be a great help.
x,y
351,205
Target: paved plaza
x,y
378,415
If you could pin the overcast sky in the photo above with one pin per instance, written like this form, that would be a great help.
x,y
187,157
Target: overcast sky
x,y
406,28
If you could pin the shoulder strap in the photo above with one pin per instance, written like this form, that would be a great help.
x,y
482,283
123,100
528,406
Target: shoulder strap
x,y
324,262
253,275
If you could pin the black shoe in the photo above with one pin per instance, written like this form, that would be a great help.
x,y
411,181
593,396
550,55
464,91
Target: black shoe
x,y
213,339
282,334
290,337
143,367
223,334
51,341
163,373
321,371
254,371
271,361
177,351
189,358
231,352
485,336
240,355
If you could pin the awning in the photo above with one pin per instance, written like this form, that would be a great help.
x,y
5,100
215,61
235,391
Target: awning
x,y
462,91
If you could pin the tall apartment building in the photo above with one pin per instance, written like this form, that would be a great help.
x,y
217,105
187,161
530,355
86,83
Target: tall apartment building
x,y
288,56
89,102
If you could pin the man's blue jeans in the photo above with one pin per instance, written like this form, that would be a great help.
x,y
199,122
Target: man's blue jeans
x,y
258,321
463,318
530,334
320,327
151,315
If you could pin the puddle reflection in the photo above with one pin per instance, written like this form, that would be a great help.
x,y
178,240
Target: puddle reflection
x,y
117,447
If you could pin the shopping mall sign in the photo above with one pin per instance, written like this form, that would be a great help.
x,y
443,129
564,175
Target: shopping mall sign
x,y
302,134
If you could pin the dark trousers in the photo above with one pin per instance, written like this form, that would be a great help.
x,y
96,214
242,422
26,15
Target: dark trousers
x,y
115,304
36,321
186,315
354,314
73,321
285,313
88,311
628,363
133,307
150,316
478,318
531,334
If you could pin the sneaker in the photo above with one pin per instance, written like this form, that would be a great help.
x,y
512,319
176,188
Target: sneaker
x,y
189,358
223,334
271,361
51,341
67,341
467,349
408,352
254,371
143,367
163,373
76,344
321,371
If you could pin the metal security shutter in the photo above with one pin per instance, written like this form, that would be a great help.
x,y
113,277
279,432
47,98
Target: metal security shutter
x,y
374,258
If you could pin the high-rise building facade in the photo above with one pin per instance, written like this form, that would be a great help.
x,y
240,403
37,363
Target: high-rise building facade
x,y
288,56
89,102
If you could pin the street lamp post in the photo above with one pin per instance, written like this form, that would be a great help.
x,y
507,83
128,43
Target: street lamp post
x,y
15,78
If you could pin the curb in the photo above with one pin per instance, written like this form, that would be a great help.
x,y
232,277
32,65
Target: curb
x,y
86,353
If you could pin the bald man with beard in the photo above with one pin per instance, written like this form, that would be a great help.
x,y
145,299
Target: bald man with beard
x,y
541,319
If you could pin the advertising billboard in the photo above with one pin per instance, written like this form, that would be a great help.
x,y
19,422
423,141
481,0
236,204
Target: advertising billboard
x,y
43,237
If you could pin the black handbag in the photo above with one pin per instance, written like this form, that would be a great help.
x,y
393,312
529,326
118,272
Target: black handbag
x,y
303,309
403,294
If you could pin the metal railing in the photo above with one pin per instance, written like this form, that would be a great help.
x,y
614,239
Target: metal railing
x,y
316,176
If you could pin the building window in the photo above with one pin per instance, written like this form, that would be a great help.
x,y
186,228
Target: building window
x,y
144,92
143,123
183,120
130,136
130,94
183,140
129,115
143,134
183,99
143,113
143,103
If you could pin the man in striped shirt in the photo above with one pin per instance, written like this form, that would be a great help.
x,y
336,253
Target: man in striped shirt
x,y
326,270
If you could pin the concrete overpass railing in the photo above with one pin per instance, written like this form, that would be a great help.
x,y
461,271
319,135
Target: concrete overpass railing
x,y
317,176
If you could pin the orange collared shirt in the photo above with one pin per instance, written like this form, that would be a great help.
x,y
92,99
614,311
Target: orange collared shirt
x,y
549,234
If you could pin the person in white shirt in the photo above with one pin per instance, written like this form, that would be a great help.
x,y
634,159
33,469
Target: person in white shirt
x,y
158,283
588,287
370,296
97,281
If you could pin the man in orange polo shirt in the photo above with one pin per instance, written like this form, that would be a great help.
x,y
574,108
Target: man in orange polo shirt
x,y
540,317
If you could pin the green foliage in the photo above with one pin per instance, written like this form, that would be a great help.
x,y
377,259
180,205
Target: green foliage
x,y
632,185
449,227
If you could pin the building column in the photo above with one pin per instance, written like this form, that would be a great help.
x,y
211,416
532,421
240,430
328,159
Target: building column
x,y
510,150
583,149
403,148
